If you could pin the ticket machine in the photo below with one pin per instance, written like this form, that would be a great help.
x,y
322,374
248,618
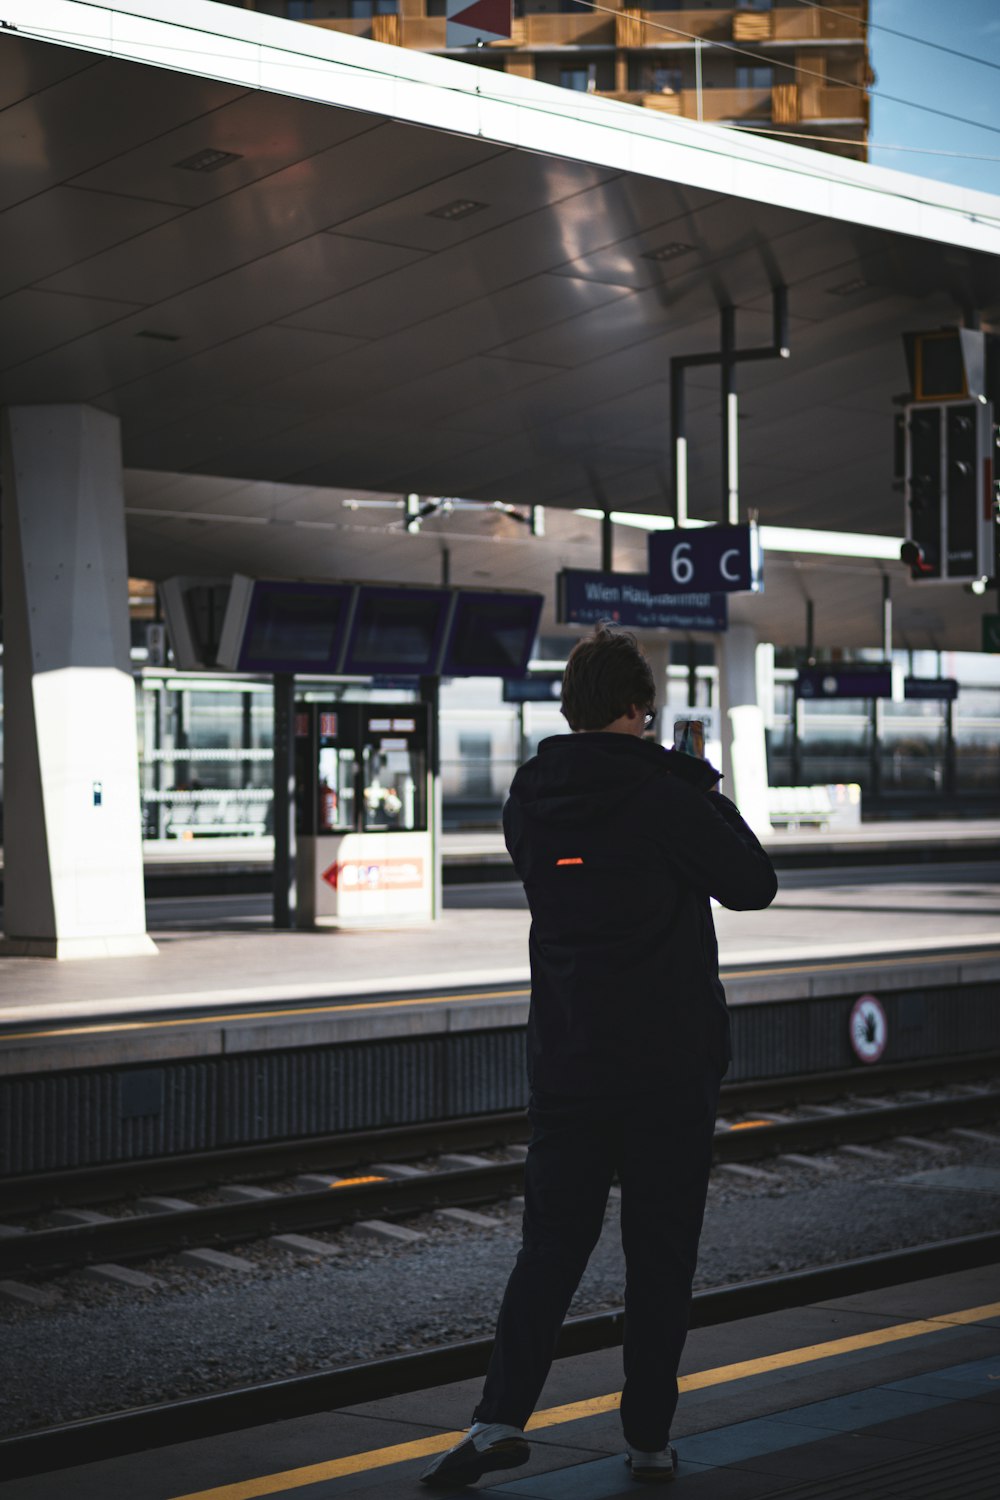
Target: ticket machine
x,y
365,848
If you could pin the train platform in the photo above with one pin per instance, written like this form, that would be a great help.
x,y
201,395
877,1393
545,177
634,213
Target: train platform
x,y
222,959
885,1393
224,979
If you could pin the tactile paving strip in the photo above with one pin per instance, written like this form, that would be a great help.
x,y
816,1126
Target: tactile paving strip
x,y
969,1470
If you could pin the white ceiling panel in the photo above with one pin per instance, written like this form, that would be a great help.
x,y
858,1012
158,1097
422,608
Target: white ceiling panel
x,y
501,190
65,225
493,262
92,116
265,290
192,386
199,436
30,70
266,132
312,194
32,322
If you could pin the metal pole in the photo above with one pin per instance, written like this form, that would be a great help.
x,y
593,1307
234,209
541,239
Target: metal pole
x,y
886,619
730,418
285,885
430,693
796,744
810,633
697,77
678,443
950,779
876,749
607,543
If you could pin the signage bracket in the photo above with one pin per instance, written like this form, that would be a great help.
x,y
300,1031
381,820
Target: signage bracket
x,y
727,356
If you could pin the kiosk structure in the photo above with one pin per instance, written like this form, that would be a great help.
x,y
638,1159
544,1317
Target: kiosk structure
x,y
365,847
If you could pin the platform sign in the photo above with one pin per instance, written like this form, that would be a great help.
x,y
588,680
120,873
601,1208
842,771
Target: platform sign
x,y
584,598
470,23
541,688
715,559
874,681
869,1029
991,633
931,689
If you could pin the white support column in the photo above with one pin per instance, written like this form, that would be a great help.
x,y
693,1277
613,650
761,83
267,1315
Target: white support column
x,y
657,652
73,879
744,758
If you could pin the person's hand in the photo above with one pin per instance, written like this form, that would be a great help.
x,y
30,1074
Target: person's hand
x,y
698,773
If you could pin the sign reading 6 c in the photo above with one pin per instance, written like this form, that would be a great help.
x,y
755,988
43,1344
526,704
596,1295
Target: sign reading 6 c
x,y
709,559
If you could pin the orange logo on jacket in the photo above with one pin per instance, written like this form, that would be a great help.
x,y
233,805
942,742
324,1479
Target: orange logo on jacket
x,y
575,861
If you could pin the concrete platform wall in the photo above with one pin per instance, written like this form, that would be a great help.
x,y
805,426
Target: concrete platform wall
x,y
66,1118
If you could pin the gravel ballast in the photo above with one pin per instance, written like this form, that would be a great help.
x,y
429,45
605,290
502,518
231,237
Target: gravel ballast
x,y
105,1346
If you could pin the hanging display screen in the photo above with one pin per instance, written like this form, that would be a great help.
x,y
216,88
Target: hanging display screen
x,y
295,627
397,630
492,635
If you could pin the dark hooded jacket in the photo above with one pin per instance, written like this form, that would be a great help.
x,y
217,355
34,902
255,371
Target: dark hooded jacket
x,y
620,845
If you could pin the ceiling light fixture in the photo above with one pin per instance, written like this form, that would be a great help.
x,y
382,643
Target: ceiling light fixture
x,y
208,160
793,539
668,252
461,208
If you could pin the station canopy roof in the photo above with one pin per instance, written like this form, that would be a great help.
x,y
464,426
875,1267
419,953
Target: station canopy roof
x,y
292,258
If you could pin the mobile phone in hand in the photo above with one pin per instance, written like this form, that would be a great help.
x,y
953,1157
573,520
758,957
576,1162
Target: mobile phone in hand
x,y
689,737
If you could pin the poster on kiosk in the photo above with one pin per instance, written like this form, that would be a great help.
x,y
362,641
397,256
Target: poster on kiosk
x,y
363,839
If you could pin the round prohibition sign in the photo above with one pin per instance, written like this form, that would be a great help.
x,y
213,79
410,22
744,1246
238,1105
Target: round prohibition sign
x,y
869,1029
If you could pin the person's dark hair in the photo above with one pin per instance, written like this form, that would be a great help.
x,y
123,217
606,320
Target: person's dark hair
x,y
605,676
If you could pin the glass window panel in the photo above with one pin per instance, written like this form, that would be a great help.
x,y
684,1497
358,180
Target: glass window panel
x,y
335,808
394,782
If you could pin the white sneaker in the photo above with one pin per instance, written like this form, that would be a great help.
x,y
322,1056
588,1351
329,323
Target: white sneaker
x,y
486,1446
653,1468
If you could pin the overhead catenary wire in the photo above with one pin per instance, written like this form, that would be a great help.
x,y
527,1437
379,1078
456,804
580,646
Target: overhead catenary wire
x,y
778,62
906,36
847,140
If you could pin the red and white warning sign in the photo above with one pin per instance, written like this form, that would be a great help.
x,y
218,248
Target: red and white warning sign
x,y
471,22
869,1029
376,875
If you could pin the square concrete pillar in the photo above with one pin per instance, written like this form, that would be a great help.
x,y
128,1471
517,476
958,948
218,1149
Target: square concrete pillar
x,y
73,879
744,755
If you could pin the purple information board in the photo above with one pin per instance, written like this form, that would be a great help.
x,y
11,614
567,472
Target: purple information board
x,y
838,681
584,598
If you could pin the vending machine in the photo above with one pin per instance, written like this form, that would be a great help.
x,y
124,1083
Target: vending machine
x,y
365,847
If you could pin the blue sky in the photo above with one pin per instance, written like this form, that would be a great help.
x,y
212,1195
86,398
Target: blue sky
x,y
930,77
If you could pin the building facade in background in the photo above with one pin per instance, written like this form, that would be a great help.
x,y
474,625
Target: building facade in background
x,y
794,68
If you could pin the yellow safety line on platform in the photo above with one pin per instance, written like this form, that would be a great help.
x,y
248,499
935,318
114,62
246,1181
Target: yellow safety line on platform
x,y
260,1015
575,1411
331,1005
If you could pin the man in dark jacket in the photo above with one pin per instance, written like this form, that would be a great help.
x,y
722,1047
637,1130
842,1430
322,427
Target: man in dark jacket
x,y
620,844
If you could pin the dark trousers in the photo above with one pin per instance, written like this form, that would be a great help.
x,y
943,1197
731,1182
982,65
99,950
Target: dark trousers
x,y
660,1144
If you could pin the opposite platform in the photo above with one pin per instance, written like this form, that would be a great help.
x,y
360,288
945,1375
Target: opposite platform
x,y
248,988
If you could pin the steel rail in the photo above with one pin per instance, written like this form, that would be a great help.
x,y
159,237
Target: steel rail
x,y
29,1194
147,1236
51,1449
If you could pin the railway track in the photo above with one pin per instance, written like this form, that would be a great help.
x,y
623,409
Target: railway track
x,y
379,1186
